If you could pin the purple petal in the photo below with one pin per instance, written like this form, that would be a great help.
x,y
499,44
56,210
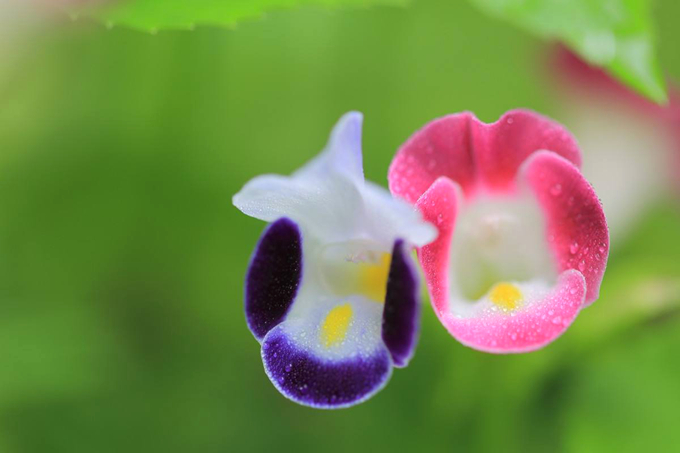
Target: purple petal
x,y
273,276
401,314
322,383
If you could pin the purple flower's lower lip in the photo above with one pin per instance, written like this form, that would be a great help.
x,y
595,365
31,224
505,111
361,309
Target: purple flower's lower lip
x,y
300,354
317,382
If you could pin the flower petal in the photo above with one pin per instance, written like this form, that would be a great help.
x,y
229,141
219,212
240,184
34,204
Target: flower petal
x,y
576,224
326,208
313,381
329,351
441,148
475,155
526,329
504,145
273,276
342,154
390,217
439,206
401,314
544,317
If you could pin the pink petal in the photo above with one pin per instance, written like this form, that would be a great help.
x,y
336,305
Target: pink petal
x,y
583,83
475,155
528,329
439,207
505,144
441,148
576,226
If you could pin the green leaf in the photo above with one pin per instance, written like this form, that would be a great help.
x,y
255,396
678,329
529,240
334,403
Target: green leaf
x,y
615,34
153,15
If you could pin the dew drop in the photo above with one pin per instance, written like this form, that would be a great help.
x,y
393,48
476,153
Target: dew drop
x,y
557,320
556,190
288,367
582,266
573,248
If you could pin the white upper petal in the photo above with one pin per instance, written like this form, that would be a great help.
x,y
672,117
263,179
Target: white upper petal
x,y
329,198
391,217
326,208
342,154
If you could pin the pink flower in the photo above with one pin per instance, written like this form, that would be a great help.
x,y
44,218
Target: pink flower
x,y
523,242
631,146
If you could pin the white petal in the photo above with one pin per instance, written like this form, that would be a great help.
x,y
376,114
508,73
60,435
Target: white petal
x,y
326,208
305,325
498,239
391,218
342,154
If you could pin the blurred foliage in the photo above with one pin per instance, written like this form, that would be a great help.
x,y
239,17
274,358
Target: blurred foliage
x,y
122,259
151,15
615,34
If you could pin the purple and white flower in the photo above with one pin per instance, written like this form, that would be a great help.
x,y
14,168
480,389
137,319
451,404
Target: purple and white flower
x,y
332,291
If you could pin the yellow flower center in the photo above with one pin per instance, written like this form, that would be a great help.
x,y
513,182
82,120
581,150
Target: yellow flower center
x,y
506,295
335,326
372,280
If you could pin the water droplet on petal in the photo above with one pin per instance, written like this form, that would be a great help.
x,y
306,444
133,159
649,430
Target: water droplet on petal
x,y
582,266
573,248
556,190
557,320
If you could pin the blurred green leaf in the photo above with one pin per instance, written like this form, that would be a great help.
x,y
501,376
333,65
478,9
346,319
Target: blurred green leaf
x,y
615,34
153,15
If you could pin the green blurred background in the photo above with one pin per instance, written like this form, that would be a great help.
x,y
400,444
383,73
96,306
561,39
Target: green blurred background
x,y
122,259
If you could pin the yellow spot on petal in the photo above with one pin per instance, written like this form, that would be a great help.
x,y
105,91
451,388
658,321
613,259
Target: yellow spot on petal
x,y
334,328
506,295
373,278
